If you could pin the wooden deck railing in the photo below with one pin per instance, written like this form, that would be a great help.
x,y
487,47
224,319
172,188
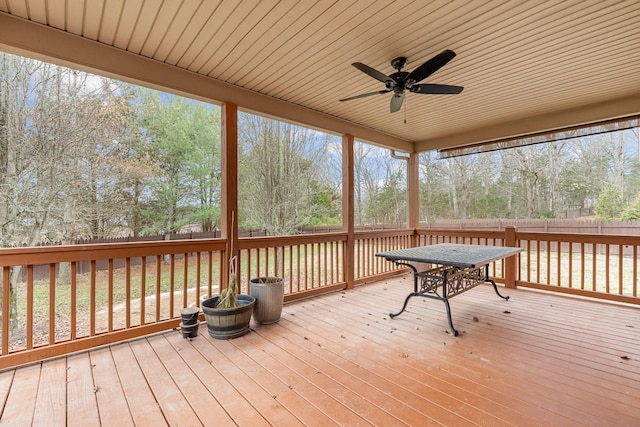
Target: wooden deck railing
x,y
592,265
367,266
69,298
309,263
99,294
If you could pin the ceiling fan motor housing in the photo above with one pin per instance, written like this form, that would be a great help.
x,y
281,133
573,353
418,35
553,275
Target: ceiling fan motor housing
x,y
399,62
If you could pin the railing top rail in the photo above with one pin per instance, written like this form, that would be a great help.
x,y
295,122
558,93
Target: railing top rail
x,y
298,239
615,239
483,234
364,234
68,253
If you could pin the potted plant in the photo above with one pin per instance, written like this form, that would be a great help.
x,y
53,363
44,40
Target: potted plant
x,y
228,314
269,294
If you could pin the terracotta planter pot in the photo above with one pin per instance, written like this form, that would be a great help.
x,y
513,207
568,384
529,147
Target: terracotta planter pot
x,y
225,323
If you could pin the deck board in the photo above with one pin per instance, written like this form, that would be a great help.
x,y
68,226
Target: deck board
x,y
82,405
272,410
109,392
200,399
175,406
347,387
339,359
482,352
20,404
6,380
222,390
141,402
51,401
432,389
491,340
282,363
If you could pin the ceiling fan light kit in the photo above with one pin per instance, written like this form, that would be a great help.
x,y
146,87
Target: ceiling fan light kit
x,y
400,81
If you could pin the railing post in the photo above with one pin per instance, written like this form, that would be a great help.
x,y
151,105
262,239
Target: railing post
x,y
348,208
510,263
413,185
229,196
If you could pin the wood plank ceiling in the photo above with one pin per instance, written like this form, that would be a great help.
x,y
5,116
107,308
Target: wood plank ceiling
x,y
527,66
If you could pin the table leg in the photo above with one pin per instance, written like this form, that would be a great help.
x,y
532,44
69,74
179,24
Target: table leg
x,y
415,288
406,301
453,330
495,287
445,299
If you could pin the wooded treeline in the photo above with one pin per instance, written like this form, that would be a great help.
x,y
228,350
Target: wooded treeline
x,y
537,181
85,157
88,157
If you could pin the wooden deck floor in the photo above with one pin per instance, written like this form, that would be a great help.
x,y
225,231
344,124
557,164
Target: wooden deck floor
x,y
338,359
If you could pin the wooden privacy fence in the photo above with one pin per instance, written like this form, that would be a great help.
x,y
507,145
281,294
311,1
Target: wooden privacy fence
x,y
144,285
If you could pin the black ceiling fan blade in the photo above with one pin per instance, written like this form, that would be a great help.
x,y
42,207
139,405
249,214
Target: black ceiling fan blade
x,y
371,72
365,95
396,101
435,89
431,66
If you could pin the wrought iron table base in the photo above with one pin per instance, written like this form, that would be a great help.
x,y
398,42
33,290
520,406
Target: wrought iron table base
x,y
452,280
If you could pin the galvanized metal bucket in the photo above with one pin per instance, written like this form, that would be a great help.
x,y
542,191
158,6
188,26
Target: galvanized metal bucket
x,y
269,294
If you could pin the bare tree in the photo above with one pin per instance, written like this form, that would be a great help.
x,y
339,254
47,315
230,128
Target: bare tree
x,y
281,171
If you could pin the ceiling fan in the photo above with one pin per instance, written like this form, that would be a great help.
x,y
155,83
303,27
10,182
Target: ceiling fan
x,y
401,80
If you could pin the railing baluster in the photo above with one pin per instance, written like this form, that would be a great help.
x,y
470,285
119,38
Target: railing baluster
x,y
583,271
548,262
289,276
74,299
110,295
185,281
635,271
209,276
258,252
158,285
313,264
52,303
29,337
306,269
127,284
198,272
528,260
570,264
143,289
538,256
594,271
332,266
298,262
324,262
620,272
559,262
6,298
607,260
172,288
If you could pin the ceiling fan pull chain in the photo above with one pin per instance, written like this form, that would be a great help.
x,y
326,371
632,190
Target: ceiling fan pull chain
x,y
405,112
